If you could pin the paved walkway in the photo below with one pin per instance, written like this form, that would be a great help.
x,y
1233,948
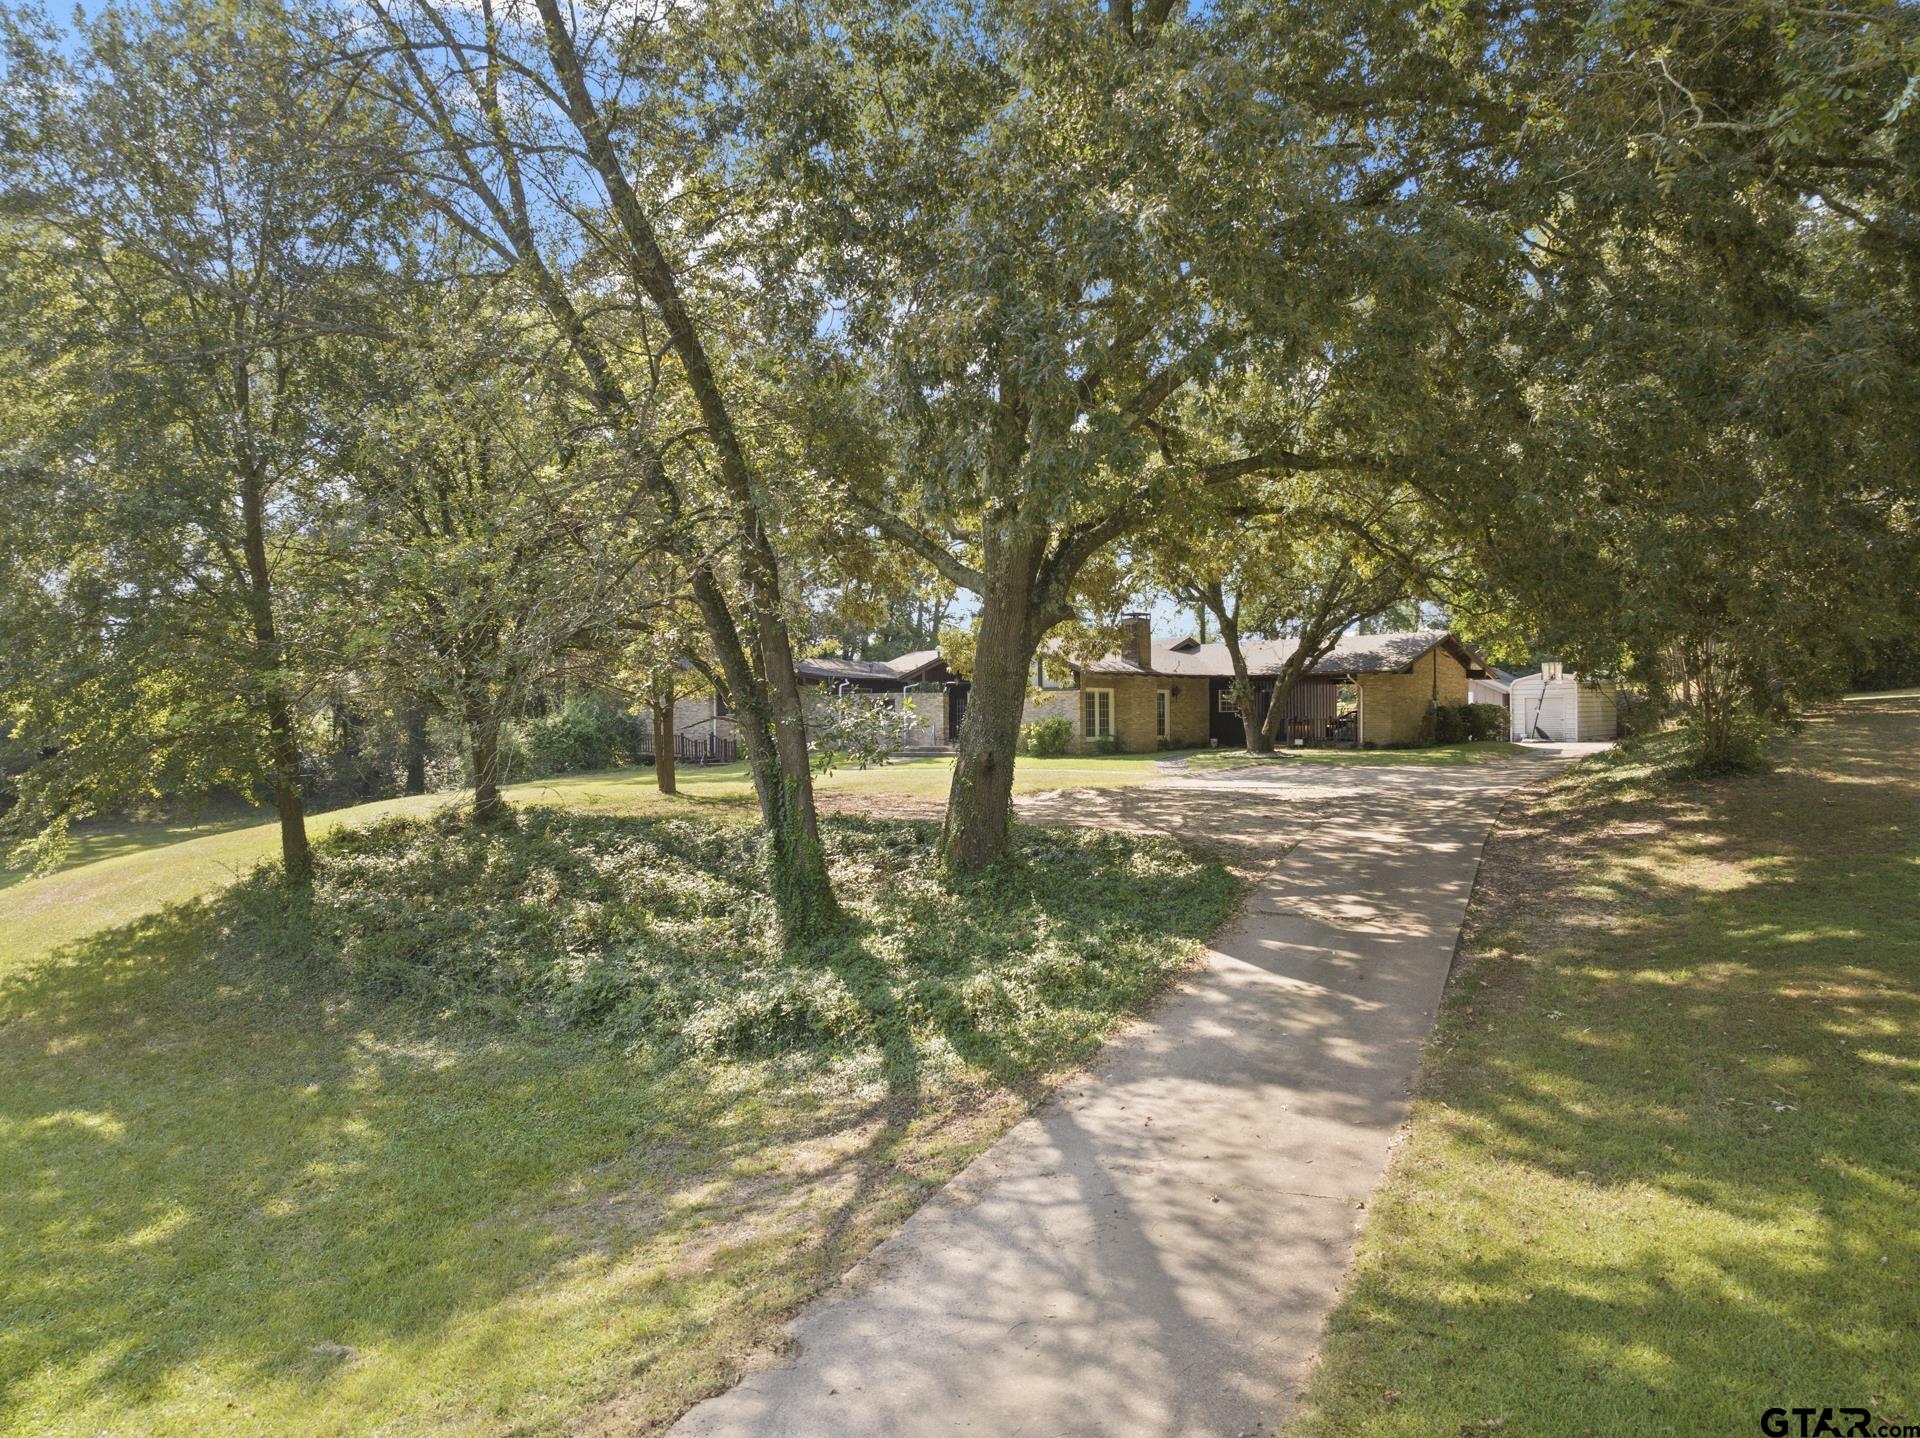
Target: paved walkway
x,y
1154,1251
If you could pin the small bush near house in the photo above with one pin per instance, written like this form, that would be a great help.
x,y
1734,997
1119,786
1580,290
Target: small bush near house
x,y
584,732
1106,744
1484,721
1462,723
1443,725
1047,738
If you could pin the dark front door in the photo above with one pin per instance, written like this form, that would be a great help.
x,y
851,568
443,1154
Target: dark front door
x,y
956,708
1223,720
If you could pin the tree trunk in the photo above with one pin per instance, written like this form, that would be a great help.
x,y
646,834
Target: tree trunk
x,y
483,734
796,862
1251,730
980,801
768,705
283,750
416,782
1279,701
1316,641
283,738
660,707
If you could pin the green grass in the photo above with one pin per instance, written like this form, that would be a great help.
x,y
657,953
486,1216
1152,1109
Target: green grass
x,y
1483,752
512,1132
1663,1171
117,871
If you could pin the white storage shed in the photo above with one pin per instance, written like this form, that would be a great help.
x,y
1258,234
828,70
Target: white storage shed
x,y
1562,707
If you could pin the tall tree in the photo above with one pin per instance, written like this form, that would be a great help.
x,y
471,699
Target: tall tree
x,y
1304,562
1032,247
488,537
551,138
1683,444
201,218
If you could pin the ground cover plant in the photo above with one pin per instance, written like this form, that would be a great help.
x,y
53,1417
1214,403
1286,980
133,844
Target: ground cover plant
x,y
149,863
527,1129
1661,1172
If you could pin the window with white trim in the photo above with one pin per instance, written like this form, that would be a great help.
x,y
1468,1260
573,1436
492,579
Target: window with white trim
x,y
1096,713
1162,714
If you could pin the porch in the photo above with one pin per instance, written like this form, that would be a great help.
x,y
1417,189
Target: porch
x,y
1322,711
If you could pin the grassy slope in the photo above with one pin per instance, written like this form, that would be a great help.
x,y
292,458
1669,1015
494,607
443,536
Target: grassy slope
x,y
1663,1170
240,1200
117,872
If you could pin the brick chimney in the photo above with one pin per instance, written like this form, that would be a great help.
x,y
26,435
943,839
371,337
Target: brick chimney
x,y
1136,639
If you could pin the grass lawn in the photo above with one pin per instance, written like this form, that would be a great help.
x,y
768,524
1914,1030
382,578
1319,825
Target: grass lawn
x,y
513,1132
117,871
1663,1170
1483,752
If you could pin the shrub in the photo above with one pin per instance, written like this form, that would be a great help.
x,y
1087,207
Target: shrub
x,y
656,934
586,731
1107,744
1047,738
1443,725
1484,721
1639,714
857,728
1726,741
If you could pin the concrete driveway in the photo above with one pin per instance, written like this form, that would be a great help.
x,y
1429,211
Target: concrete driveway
x,y
1155,1249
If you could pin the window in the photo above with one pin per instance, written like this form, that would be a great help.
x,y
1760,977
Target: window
x,y
1227,706
1162,714
1096,713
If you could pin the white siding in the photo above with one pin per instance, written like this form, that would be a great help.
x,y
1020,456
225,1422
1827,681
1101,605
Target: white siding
x,y
1565,710
1599,715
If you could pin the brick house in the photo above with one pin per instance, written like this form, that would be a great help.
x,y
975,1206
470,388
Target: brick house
x,y
919,683
1369,689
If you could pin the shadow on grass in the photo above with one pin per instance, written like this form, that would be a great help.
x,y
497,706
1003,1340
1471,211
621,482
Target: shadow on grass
x,y
1664,1176
224,1160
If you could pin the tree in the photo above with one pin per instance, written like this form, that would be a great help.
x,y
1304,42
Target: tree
x,y
1303,561
485,541
1683,442
200,220
663,656
1031,249
556,141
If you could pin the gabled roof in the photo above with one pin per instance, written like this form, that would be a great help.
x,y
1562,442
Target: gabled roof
x,y
1351,654
902,670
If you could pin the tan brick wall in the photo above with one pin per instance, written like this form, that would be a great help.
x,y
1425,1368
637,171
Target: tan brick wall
x,y
1052,704
1133,718
1191,719
1135,712
1392,705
